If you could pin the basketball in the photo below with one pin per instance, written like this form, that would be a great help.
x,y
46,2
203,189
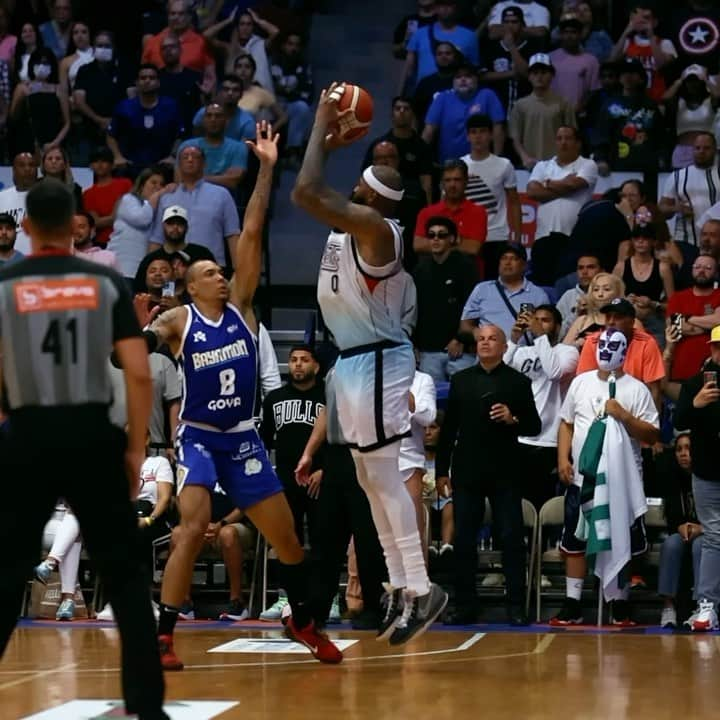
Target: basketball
x,y
355,111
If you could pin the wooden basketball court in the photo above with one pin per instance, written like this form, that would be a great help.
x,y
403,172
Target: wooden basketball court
x,y
482,671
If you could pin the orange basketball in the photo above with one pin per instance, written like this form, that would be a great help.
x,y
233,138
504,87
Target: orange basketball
x,y
355,111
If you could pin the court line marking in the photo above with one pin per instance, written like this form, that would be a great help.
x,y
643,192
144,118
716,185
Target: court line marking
x,y
36,675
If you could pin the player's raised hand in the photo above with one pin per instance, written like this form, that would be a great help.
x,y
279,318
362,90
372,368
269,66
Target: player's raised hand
x,y
327,111
265,145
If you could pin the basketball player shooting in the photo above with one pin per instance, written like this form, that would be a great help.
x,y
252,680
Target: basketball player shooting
x,y
215,341
360,292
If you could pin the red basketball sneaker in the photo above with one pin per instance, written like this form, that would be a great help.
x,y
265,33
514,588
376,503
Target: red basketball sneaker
x,y
318,643
168,659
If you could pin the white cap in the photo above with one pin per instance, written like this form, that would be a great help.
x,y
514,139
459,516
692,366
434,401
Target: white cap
x,y
697,70
540,59
175,211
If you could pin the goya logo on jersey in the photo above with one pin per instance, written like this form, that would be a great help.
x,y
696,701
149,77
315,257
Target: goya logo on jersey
x,y
208,358
48,295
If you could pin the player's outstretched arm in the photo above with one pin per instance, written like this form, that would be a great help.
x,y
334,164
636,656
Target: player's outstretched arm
x,y
312,193
168,327
248,250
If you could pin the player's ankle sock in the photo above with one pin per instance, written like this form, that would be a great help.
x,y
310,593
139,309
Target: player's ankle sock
x,y
414,564
168,618
295,577
574,587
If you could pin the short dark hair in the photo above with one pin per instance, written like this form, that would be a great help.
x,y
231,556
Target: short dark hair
x,y
479,120
576,132
644,5
401,98
102,153
304,347
638,183
148,66
513,10
50,205
443,221
232,77
455,164
87,216
7,219
557,317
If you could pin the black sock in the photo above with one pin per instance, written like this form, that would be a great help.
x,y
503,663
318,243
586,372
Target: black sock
x,y
168,618
296,581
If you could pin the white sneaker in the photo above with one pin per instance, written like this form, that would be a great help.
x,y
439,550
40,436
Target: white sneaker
x,y
545,582
335,615
446,548
704,618
668,618
493,580
274,612
106,614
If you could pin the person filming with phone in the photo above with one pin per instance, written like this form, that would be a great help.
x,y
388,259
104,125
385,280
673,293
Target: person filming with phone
x,y
698,410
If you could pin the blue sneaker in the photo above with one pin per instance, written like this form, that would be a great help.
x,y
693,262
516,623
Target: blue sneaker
x,y
66,611
43,571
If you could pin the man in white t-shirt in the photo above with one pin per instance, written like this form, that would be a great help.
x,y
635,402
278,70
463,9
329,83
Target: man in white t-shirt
x,y
492,184
561,186
537,18
12,199
587,399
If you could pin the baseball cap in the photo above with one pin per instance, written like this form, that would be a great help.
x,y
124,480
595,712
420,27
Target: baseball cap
x,y
714,335
540,59
570,20
619,306
517,250
175,211
631,65
698,70
7,219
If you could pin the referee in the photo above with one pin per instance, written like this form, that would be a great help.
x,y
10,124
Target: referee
x,y
60,318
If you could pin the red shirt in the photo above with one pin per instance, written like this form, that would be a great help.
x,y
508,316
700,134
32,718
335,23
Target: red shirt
x,y
471,221
101,200
643,360
691,351
194,52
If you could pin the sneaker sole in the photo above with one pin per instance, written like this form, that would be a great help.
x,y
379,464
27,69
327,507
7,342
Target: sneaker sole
x,y
174,667
703,626
423,628
234,618
389,630
565,623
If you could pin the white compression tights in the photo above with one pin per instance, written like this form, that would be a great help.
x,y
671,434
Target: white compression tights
x,y
64,535
394,514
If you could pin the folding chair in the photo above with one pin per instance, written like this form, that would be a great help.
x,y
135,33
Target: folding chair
x,y
552,513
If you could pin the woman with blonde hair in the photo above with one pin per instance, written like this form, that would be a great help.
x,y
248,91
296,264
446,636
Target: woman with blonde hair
x,y
55,164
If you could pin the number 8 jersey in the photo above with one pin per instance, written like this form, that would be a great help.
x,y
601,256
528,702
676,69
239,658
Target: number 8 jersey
x,y
219,370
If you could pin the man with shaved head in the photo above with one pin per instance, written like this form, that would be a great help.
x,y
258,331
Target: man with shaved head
x,y
489,406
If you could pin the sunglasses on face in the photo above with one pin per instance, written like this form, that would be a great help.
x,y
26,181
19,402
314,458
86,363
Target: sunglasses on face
x,y
442,234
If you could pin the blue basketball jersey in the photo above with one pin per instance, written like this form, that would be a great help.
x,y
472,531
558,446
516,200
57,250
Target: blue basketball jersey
x,y
219,370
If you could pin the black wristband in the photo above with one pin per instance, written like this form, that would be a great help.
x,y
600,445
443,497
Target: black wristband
x,y
151,340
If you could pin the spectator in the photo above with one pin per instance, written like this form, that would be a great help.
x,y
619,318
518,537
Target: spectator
x,y
12,199
158,283
489,406
225,159
40,114
684,540
134,215
710,236
506,59
420,60
8,234
80,52
8,41
100,198
535,119
588,266
244,41
83,231
690,192
693,31
293,84
145,129
212,214
576,70
239,124
194,51
444,282
449,111
550,367
56,31
410,24
594,41
30,40
561,186
498,302
492,184
609,87
639,42
697,411
255,99
694,101
447,58
56,164
537,19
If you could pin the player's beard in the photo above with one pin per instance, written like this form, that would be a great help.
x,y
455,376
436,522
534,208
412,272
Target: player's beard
x,y
357,199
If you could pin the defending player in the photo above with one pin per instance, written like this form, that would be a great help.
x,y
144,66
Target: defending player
x,y
215,340
360,291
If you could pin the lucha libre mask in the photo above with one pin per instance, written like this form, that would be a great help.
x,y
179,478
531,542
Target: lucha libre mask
x,y
611,349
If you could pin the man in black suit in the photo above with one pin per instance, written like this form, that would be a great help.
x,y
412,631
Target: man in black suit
x,y
489,406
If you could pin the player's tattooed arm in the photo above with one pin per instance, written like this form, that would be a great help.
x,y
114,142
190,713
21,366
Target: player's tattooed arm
x,y
168,327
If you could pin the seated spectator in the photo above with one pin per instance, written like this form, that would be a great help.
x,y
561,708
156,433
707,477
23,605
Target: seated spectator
x,y
56,164
100,198
134,215
447,58
12,199
239,123
576,70
211,211
561,186
8,234
639,42
244,41
588,266
420,60
535,119
80,52
83,231
293,86
449,111
409,25
439,505
8,41
536,17
684,540
694,101
710,236
145,129
39,112
444,281
255,99
498,302
56,31
628,130
225,159
594,40
29,40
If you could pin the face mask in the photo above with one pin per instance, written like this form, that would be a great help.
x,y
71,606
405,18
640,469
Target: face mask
x,y
103,54
611,350
42,72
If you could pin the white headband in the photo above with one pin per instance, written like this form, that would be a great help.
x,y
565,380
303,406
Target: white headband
x,y
380,187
